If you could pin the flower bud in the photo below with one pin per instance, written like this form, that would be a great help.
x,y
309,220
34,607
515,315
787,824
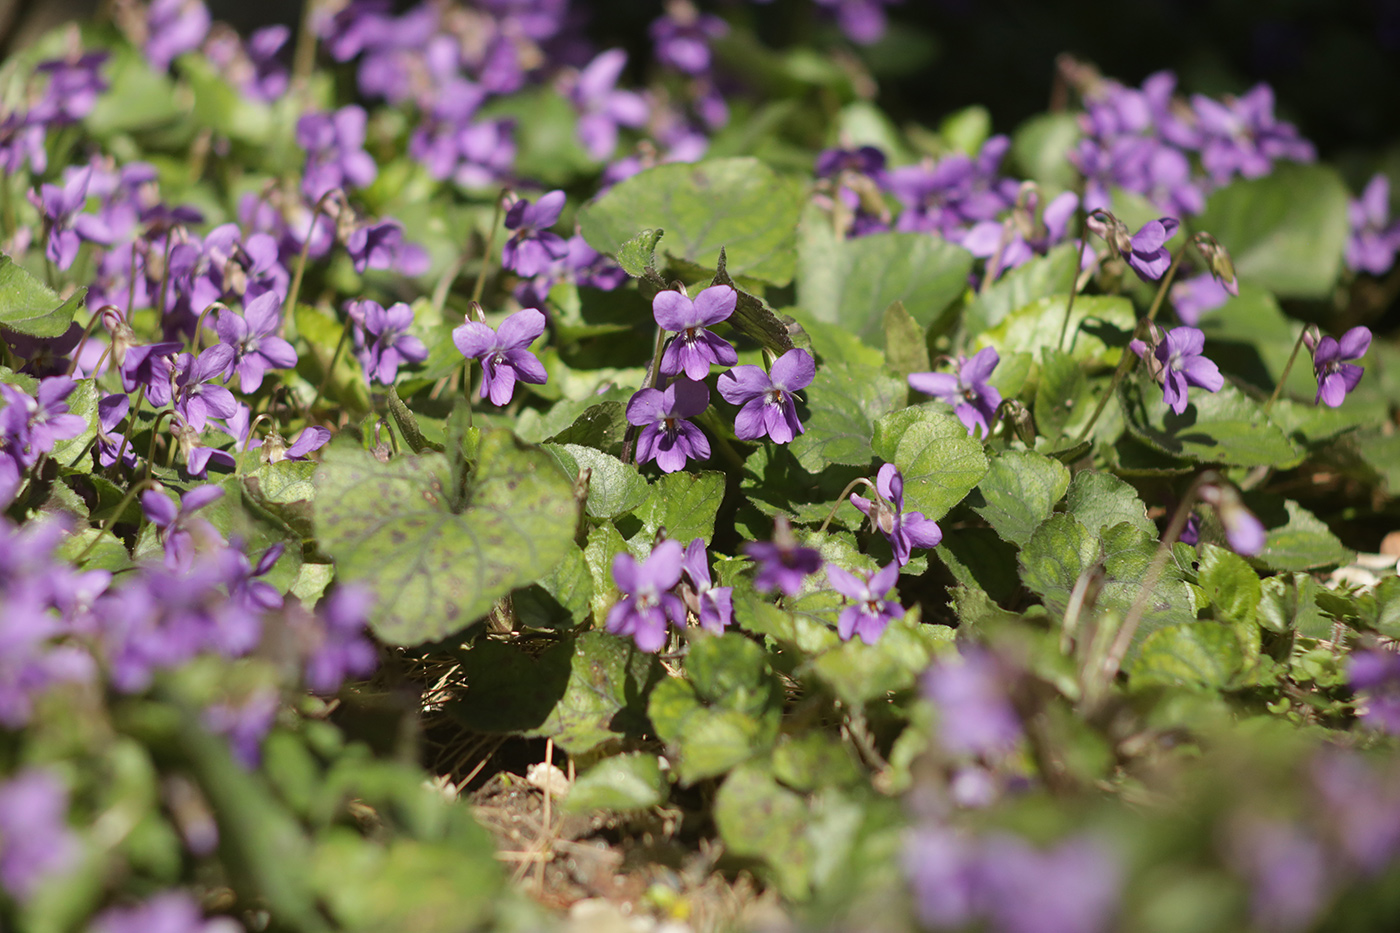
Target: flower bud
x,y
1244,531
1218,258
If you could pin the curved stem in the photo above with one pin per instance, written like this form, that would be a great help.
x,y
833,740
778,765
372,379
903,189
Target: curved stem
x,y
151,448
199,325
87,332
1166,281
1288,368
489,249
1098,677
330,367
295,291
136,489
131,424
1074,280
841,499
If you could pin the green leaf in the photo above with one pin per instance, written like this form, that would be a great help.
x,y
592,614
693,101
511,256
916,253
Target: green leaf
x,y
620,783
404,884
221,107
1040,148
580,692
1100,327
850,283
614,488
285,489
843,402
545,136
795,624
1200,654
739,204
1295,538
760,819
436,570
1039,278
1060,394
408,425
1287,603
685,504
980,560
1232,585
812,759
1019,492
28,306
728,711
1101,500
604,544
138,97
751,316
601,425
905,349
890,428
940,466
1216,427
637,256
82,401
858,673
1286,231
1057,553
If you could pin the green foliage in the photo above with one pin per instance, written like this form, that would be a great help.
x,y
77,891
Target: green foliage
x,y
738,204
28,306
438,558
1286,232
850,283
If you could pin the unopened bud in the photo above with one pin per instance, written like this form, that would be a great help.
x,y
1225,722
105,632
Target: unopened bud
x,y
1244,531
1218,258
1312,336
1111,230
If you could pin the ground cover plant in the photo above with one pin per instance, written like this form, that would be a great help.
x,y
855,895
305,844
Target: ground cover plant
x,y
462,475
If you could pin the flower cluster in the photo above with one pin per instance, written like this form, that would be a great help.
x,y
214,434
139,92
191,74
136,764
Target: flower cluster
x,y
649,602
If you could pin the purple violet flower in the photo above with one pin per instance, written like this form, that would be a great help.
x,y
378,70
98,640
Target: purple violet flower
x,y
335,154
667,436
712,605
532,248
1196,296
694,348
767,398
111,410
682,37
174,27
1374,675
872,611
863,21
61,207
1244,532
178,526
1242,136
1374,240
647,602
975,714
342,650
75,83
942,867
504,353
198,397
1176,362
905,530
253,337
1361,806
245,725
973,400
32,425
167,912
35,841
1335,375
1145,252
1072,888
383,340
149,366
602,107
783,564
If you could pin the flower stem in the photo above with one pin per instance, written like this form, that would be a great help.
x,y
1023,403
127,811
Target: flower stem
x,y
132,493
648,383
1288,368
1074,279
1166,281
489,249
330,367
1097,676
295,291
131,424
841,499
77,350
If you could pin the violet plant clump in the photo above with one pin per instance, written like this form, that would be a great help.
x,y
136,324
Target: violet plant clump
x,y
285,597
